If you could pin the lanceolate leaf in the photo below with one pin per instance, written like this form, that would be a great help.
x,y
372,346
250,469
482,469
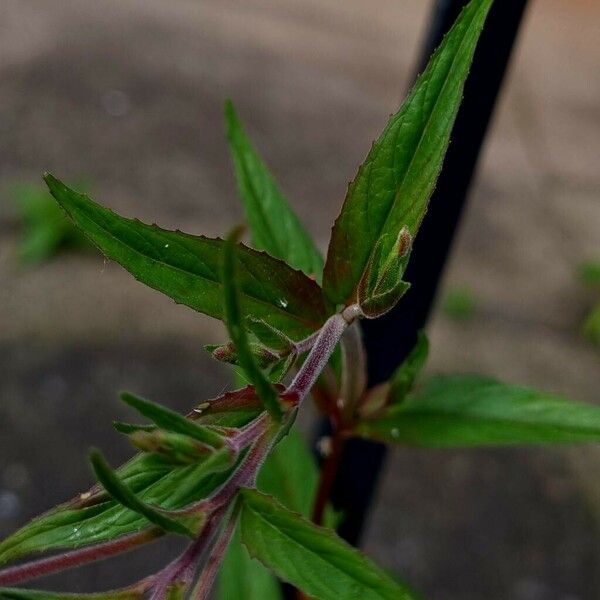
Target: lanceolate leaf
x,y
312,558
237,331
95,517
173,421
393,186
466,410
244,577
404,376
290,474
188,268
275,227
122,494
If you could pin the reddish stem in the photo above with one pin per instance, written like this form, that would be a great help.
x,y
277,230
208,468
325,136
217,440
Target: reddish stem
x,y
74,558
318,357
181,570
327,477
203,586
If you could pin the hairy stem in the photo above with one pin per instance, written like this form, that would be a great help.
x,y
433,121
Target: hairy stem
x,y
182,569
75,558
209,572
318,357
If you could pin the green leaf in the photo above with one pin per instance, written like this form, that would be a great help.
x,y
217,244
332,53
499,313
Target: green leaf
x,y
468,410
394,184
187,268
46,230
312,558
173,421
591,327
404,376
19,594
237,331
589,272
95,517
290,474
122,494
460,304
275,227
245,577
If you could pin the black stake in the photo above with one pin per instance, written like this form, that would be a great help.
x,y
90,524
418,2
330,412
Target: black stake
x,y
390,338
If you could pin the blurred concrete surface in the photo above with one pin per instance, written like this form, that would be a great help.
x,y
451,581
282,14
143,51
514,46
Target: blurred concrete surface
x,y
128,95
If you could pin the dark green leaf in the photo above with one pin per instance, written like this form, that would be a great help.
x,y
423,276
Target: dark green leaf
x,y
188,268
467,410
404,377
268,335
393,186
275,227
95,517
173,421
312,558
237,331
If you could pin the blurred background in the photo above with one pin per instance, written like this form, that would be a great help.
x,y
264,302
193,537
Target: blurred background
x,y
124,98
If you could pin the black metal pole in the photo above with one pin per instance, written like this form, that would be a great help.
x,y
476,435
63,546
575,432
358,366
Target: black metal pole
x,y
389,339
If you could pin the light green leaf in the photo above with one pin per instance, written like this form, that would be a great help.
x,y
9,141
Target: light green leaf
x,y
46,230
173,421
312,558
404,376
123,495
589,272
591,327
188,268
467,410
245,577
290,474
237,331
275,227
394,184
95,517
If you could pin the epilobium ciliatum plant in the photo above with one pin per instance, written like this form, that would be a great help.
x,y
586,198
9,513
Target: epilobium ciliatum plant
x,y
291,317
